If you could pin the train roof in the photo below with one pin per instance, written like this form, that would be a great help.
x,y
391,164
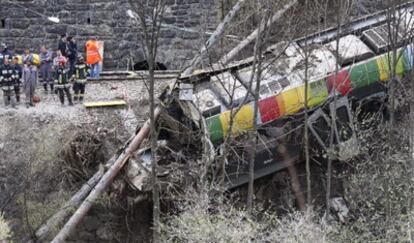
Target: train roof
x,y
360,60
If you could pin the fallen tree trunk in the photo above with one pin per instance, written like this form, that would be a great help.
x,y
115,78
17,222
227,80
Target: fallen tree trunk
x,y
105,181
52,223
230,56
214,37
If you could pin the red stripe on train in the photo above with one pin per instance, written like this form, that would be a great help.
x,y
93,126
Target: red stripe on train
x,y
269,109
341,81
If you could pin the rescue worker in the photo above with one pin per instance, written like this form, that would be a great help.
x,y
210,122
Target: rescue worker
x,y
72,54
56,60
62,84
80,77
18,72
27,56
62,46
7,80
93,58
46,68
29,81
5,53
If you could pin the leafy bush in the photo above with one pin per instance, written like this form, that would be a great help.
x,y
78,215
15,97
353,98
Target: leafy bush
x,y
5,231
203,221
378,187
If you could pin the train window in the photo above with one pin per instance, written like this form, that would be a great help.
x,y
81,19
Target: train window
x,y
3,24
317,88
320,127
343,120
323,129
284,82
274,86
343,124
264,90
342,114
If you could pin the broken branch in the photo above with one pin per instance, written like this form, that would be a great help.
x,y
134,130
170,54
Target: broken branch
x,y
230,56
105,181
214,37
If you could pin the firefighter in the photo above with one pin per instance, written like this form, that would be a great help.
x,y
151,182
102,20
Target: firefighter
x,y
56,60
29,77
7,80
5,53
18,72
46,60
80,77
62,84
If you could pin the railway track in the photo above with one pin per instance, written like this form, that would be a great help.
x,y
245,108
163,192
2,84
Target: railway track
x,y
121,76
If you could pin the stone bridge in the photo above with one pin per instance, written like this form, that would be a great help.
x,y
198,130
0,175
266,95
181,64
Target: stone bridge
x,y
21,28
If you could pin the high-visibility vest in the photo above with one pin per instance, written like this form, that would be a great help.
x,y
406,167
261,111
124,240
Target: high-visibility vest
x,y
92,52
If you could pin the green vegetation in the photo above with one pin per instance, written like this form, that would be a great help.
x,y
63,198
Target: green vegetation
x,y
5,231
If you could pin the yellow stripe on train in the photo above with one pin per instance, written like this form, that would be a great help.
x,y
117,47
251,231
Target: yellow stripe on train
x,y
242,121
294,99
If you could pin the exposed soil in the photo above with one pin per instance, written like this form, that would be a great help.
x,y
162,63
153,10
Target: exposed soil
x,y
49,151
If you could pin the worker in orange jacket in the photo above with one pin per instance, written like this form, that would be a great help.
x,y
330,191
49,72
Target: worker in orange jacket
x,y
93,58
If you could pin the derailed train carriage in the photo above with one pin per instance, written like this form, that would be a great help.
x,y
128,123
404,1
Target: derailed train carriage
x,y
220,103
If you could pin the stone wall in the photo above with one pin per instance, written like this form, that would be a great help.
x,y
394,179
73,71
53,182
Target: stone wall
x,y
107,19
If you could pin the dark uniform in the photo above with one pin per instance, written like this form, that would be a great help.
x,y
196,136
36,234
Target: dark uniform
x,y
72,53
18,72
62,84
5,53
62,46
7,81
80,77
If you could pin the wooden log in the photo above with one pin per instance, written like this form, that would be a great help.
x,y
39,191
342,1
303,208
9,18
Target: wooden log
x,y
52,223
106,103
230,56
105,181
216,36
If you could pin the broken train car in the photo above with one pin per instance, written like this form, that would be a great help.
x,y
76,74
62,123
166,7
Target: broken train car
x,y
218,102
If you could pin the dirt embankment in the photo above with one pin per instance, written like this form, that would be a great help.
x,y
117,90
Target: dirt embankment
x,y
48,151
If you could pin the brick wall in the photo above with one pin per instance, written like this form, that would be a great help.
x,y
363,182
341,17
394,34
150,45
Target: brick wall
x,y
107,19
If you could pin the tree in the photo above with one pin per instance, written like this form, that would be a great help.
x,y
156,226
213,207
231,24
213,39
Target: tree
x,y
261,41
5,231
150,16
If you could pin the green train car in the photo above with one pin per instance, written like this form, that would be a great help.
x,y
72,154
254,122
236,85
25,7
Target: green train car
x,y
220,101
